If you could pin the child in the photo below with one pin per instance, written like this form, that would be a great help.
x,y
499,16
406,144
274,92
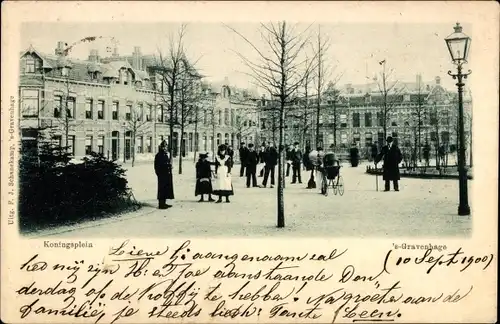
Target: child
x,y
203,178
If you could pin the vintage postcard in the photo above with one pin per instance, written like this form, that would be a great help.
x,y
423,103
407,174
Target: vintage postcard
x,y
249,162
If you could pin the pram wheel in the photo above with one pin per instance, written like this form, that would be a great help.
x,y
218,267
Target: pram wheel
x,y
340,185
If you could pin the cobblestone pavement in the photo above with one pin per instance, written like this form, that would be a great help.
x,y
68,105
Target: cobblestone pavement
x,y
422,208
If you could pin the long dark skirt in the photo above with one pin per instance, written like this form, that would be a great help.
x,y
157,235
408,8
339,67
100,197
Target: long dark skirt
x,y
165,187
203,187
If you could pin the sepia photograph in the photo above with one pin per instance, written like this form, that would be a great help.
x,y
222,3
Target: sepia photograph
x,y
249,162
240,129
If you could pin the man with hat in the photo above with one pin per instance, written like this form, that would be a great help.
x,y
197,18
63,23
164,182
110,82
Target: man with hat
x,y
296,155
392,157
252,159
243,157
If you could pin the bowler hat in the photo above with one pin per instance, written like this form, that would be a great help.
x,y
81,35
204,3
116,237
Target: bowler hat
x,y
250,145
389,139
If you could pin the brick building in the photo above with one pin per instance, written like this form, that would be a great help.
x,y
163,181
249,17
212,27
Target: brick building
x,y
107,97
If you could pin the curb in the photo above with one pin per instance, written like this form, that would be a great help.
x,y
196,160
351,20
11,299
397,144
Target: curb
x,y
89,224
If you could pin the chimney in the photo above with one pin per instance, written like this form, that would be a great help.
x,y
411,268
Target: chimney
x,y
438,80
137,58
419,81
94,56
60,48
115,52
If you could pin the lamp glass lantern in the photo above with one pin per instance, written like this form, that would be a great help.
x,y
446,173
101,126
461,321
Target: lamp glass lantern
x,y
458,44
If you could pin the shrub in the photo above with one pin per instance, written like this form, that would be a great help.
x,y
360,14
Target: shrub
x,y
54,191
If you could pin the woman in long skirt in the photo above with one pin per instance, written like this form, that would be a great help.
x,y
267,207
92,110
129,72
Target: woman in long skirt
x,y
223,183
203,178
163,170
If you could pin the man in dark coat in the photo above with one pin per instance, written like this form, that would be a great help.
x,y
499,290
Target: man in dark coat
x,y
163,170
374,151
271,160
230,152
392,157
354,155
288,159
296,159
243,157
251,165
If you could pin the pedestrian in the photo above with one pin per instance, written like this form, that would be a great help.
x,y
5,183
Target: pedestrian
x,y
288,157
354,155
230,152
262,158
427,154
392,157
374,151
163,170
243,151
251,166
203,178
223,184
296,160
442,154
271,159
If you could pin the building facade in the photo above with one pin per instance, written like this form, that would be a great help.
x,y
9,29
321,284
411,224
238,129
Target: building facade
x,y
112,105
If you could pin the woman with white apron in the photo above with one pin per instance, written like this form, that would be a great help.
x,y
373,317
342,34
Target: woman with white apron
x,y
223,185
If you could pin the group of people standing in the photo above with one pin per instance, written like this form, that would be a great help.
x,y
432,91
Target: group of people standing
x,y
250,158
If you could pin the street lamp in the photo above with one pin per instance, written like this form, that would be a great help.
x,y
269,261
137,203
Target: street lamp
x,y
458,44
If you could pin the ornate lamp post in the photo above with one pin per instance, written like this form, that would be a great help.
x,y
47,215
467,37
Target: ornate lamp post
x,y
458,44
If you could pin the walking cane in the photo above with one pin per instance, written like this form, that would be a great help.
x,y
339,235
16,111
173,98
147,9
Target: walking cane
x,y
376,176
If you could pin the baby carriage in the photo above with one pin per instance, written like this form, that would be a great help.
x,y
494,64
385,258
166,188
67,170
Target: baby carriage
x,y
331,177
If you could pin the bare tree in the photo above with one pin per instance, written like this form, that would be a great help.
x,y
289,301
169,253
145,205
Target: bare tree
x,y
418,114
242,124
389,93
65,111
189,95
332,96
170,67
136,124
322,74
280,70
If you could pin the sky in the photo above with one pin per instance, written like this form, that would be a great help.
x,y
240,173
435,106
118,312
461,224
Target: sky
x,y
355,48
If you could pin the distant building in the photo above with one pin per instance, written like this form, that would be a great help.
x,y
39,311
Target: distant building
x,y
106,95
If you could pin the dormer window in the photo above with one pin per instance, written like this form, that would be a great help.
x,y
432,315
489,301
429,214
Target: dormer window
x,y
406,97
30,65
138,84
65,71
126,77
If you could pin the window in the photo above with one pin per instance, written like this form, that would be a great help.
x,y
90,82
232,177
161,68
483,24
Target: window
x,y
148,145
57,140
30,65
57,106
71,110
394,124
140,112
140,144
88,109
368,119
226,116
30,103
343,138
159,113
100,109
343,120
190,142
219,119
197,142
355,120
88,145
71,144
406,97
433,136
445,137
368,99
148,113
205,117
356,137
114,111
204,144
128,113
380,119
219,139
65,71
368,139
100,145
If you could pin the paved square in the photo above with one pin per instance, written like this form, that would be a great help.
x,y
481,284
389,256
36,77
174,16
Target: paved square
x,y
422,208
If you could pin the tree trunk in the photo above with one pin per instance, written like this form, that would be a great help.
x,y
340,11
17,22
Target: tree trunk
x,y
196,142
181,148
335,123
132,148
281,170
